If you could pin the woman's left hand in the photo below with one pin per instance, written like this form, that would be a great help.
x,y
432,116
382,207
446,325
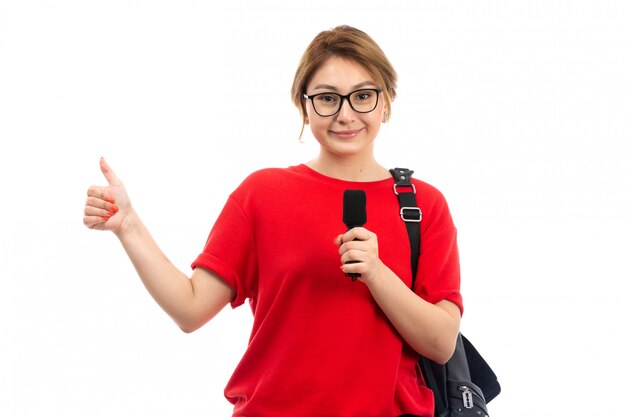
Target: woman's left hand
x,y
358,248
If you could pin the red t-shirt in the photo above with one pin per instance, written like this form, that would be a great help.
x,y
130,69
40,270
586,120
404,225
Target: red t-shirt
x,y
320,345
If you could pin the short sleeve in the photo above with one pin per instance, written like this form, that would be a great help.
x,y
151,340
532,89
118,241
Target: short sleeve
x,y
230,251
438,276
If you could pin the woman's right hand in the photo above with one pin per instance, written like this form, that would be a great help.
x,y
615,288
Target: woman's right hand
x,y
106,207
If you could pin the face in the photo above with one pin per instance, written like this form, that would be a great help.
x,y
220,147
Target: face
x,y
347,133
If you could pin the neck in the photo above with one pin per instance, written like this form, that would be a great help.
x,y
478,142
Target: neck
x,y
349,169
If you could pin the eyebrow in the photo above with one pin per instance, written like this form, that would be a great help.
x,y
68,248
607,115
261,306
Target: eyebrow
x,y
333,88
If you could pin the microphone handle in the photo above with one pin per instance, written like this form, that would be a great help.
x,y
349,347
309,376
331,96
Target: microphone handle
x,y
353,275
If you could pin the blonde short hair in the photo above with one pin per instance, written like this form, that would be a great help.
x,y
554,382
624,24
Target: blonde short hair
x,y
346,42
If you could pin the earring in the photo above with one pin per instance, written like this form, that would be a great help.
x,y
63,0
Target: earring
x,y
385,117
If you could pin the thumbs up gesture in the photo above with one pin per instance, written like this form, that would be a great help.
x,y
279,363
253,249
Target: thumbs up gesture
x,y
106,207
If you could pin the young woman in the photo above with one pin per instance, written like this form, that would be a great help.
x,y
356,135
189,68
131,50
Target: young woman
x,y
321,344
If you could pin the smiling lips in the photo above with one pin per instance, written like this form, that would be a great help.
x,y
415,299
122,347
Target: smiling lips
x,y
346,134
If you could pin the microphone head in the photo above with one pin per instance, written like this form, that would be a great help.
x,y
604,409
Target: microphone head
x,y
354,214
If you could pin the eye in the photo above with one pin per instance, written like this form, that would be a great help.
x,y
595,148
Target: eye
x,y
327,98
363,95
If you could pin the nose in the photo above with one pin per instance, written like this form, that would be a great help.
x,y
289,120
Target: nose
x,y
346,113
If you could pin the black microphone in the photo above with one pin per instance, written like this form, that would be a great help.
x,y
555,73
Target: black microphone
x,y
354,215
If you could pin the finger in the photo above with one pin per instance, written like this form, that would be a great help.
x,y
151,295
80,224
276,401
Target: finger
x,y
93,221
100,193
95,211
353,246
351,257
354,268
101,203
102,212
356,233
108,172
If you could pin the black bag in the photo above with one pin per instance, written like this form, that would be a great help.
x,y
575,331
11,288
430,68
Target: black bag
x,y
465,384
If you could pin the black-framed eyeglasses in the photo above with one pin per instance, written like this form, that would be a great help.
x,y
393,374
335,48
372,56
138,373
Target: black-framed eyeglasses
x,y
363,100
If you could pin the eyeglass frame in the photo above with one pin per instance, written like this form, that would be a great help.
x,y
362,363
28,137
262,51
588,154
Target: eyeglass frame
x,y
346,98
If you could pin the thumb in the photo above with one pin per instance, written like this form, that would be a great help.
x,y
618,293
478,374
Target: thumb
x,y
108,173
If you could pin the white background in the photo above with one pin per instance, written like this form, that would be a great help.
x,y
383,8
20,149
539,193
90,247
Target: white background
x,y
516,111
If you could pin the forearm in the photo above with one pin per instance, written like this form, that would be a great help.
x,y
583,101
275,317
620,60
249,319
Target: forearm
x,y
170,288
429,329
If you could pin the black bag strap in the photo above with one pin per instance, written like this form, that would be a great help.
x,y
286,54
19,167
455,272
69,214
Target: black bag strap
x,y
466,363
434,374
410,213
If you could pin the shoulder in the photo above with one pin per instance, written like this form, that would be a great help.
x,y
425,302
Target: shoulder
x,y
432,202
427,191
267,178
267,174
266,184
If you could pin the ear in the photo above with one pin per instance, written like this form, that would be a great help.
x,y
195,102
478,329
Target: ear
x,y
305,113
385,110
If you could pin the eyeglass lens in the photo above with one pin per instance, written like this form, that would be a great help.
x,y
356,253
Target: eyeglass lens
x,y
362,101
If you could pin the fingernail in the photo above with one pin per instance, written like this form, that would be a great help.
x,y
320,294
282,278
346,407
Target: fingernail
x,y
105,218
110,200
115,209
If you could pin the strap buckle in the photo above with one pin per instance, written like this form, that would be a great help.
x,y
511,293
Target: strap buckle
x,y
413,214
395,187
